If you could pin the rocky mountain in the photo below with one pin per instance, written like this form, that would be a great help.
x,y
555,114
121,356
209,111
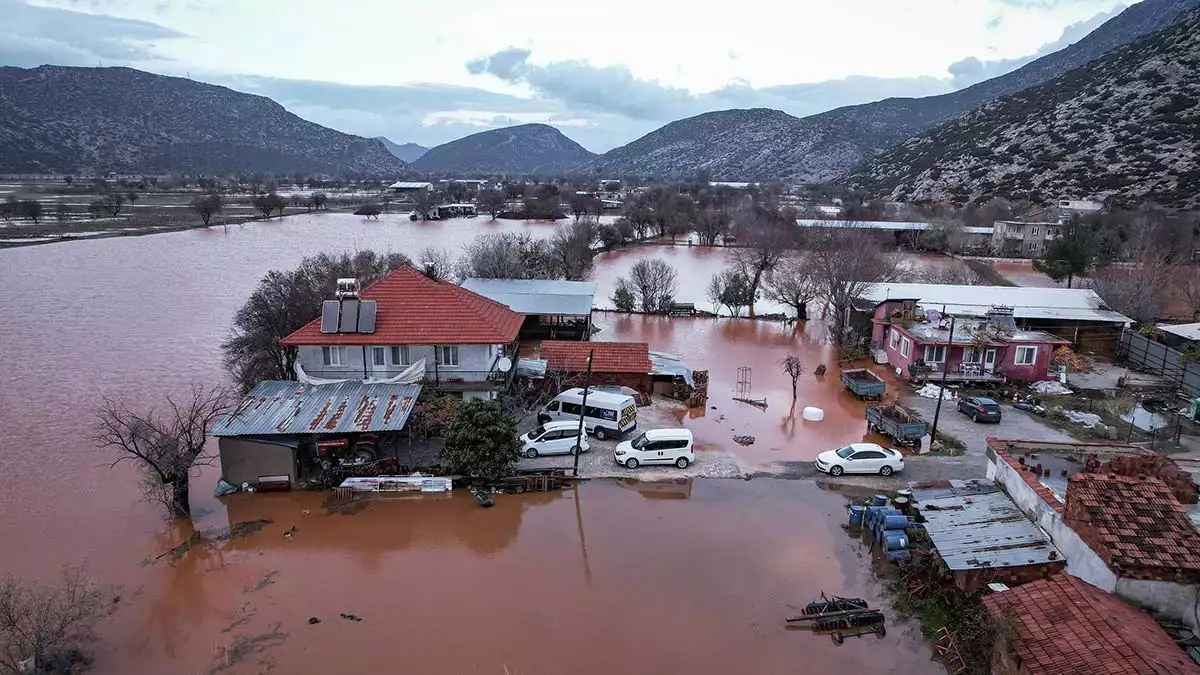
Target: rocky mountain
x,y
762,144
1124,128
407,152
522,149
57,119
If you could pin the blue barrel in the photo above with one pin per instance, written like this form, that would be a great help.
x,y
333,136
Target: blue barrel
x,y
856,515
895,541
894,523
872,513
879,500
897,556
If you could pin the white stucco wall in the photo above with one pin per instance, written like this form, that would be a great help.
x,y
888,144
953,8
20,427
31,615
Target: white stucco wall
x,y
474,362
1178,601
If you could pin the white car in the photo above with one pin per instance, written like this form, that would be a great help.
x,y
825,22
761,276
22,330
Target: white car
x,y
657,446
860,458
553,438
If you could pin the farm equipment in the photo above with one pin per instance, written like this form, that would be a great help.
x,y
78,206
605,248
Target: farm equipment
x,y
839,637
846,617
347,452
864,384
901,424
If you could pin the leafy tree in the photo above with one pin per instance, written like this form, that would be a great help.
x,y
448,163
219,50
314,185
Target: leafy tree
x,y
492,201
369,211
730,288
268,203
623,298
132,196
207,206
1074,253
482,442
29,208
319,199
610,237
571,247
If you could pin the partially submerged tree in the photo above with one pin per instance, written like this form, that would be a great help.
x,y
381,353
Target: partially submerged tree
x,y
369,211
508,255
48,627
268,203
653,283
283,302
762,243
793,368
166,444
482,443
207,205
29,208
492,201
1074,253
730,288
571,247
846,262
711,225
793,283
623,297
424,201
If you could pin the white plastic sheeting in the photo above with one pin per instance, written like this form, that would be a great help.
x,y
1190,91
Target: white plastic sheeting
x,y
932,391
413,374
1050,388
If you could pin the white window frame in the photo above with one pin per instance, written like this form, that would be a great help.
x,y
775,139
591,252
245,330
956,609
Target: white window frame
x,y
442,351
935,348
399,355
379,357
893,339
975,355
333,356
1032,350
1033,231
905,347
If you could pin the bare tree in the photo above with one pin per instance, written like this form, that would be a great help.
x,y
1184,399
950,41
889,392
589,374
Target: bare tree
x,y
794,284
164,445
424,201
318,200
847,262
133,196
1140,290
492,201
711,225
436,263
730,288
268,203
207,205
653,283
571,247
45,628
762,243
957,275
62,212
508,255
793,368
113,202
29,208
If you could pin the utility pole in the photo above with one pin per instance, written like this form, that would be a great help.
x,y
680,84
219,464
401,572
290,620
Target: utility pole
x,y
587,383
945,371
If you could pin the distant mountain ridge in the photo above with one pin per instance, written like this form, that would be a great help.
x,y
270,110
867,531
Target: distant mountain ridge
x,y
407,152
761,145
1124,128
520,149
56,119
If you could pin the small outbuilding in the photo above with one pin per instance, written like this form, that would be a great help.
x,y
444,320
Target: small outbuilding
x,y
625,364
553,308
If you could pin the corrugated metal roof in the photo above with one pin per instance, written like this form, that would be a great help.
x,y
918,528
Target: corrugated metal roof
x,y
537,296
411,185
1187,331
1070,304
954,488
883,225
287,407
978,531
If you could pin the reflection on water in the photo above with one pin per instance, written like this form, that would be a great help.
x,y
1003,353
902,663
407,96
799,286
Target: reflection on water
x,y
678,488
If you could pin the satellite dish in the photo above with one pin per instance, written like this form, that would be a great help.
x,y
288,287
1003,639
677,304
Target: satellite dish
x,y
504,364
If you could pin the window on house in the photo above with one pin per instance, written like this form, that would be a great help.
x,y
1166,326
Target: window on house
x,y
905,347
972,355
378,356
400,356
1025,356
1033,231
894,338
1032,246
935,353
333,356
447,356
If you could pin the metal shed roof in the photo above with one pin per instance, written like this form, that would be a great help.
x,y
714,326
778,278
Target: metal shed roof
x,y
1187,331
287,407
982,530
537,296
1067,304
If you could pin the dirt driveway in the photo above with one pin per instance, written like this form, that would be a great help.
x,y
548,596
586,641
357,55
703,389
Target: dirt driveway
x,y
1013,424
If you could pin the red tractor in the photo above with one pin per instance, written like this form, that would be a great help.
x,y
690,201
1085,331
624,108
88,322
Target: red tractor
x,y
347,451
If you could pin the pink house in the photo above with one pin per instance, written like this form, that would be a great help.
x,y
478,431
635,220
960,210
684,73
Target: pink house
x,y
920,345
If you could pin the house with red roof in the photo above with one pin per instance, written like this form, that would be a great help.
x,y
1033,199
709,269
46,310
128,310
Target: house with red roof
x,y
459,338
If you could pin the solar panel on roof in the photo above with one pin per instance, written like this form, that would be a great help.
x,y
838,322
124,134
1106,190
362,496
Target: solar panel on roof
x,y
329,316
349,323
366,316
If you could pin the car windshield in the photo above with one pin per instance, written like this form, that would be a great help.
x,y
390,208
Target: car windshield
x,y
639,442
845,452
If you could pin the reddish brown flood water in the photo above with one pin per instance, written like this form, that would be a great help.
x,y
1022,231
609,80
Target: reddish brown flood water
x,y
616,577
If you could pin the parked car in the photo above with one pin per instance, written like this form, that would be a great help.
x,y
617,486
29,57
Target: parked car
x,y
554,438
979,409
657,446
860,458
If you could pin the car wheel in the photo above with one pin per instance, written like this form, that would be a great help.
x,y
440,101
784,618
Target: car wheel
x,y
575,450
601,433
531,453
975,418
885,471
682,462
835,470
631,463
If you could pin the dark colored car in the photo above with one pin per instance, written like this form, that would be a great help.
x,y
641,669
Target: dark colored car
x,y
979,409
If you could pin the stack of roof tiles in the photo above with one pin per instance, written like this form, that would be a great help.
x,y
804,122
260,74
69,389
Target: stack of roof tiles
x,y
1136,525
1180,481
1065,626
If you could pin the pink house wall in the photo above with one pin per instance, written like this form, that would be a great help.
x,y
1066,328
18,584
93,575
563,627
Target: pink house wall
x,y
1005,355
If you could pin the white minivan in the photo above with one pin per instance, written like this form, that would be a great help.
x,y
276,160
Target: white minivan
x,y
553,438
657,446
607,414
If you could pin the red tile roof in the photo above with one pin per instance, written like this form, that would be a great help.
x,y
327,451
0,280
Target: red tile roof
x,y
610,357
1066,626
416,310
1135,524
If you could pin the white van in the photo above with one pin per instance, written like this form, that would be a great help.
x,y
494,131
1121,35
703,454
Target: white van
x,y
607,414
553,438
657,446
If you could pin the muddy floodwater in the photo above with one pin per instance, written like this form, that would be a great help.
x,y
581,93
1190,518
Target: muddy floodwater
x,y
616,577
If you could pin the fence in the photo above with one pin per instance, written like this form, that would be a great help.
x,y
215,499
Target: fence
x,y
1157,358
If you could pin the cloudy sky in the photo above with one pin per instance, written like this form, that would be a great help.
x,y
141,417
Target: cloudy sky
x,y
603,72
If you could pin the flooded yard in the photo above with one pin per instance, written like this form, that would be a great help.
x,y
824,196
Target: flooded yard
x,y
539,584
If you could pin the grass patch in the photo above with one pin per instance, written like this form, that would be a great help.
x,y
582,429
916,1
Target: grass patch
x,y
945,445
988,273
